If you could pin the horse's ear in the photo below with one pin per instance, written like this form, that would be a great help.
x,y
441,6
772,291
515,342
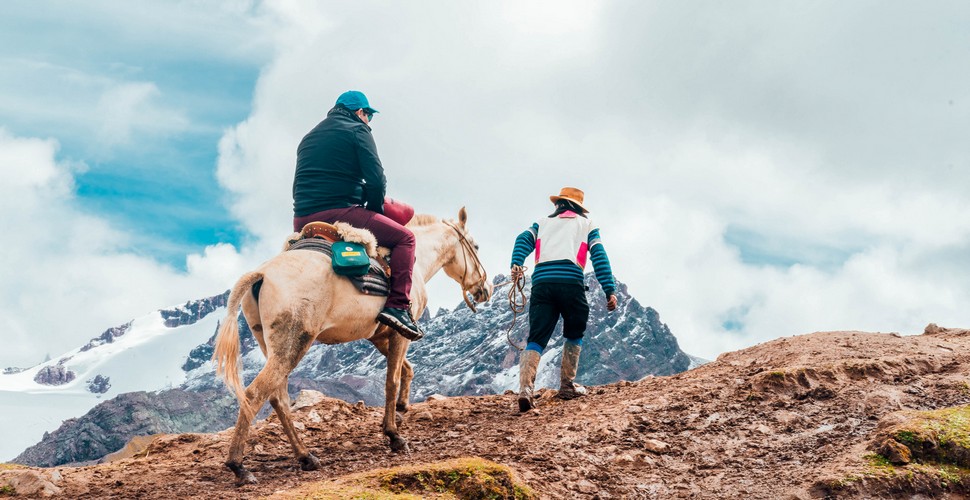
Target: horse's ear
x,y
462,217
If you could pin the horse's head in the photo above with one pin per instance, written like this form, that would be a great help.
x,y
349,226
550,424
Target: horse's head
x,y
465,267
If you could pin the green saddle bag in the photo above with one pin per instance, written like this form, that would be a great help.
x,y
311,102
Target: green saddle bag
x,y
350,259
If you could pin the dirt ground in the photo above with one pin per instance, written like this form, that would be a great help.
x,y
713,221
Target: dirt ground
x,y
791,418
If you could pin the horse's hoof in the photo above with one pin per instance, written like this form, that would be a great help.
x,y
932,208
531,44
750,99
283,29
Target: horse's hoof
x,y
402,407
309,462
243,476
400,444
246,478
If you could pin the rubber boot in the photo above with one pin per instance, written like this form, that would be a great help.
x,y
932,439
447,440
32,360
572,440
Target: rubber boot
x,y
568,389
528,365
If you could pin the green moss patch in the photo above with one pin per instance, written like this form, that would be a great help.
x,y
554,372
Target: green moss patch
x,y
937,436
929,453
466,478
882,480
879,462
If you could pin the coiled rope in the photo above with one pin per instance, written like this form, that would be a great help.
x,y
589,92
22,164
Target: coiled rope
x,y
516,303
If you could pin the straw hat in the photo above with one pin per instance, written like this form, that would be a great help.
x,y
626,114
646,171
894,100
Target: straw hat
x,y
572,194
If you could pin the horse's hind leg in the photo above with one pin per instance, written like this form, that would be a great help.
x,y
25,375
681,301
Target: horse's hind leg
x,y
286,345
395,359
281,403
265,384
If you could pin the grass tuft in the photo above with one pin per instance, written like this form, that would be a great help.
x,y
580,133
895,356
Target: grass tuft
x,y
472,478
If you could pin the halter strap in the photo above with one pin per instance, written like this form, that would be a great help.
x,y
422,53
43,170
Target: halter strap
x,y
466,248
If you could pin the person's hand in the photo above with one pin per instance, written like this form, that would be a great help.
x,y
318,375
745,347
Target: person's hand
x,y
611,303
516,273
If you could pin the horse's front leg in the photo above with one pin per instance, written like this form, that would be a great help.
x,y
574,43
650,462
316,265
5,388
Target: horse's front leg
x,y
404,395
397,348
382,344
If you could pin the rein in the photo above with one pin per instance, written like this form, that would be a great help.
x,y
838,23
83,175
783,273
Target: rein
x,y
466,248
516,290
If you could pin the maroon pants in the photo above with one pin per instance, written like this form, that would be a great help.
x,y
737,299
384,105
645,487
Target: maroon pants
x,y
389,234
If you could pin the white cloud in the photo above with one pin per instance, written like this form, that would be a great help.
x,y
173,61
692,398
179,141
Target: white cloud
x,y
125,107
66,276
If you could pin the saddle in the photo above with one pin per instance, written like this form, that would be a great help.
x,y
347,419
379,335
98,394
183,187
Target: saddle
x,y
321,237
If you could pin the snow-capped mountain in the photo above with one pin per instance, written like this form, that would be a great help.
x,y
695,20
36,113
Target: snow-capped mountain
x,y
462,354
144,354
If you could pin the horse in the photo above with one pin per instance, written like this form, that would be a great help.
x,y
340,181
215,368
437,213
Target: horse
x,y
302,301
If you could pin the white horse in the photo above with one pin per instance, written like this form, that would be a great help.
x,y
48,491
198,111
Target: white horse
x,y
302,301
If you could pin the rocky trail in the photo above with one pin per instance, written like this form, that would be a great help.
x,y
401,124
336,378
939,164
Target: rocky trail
x,y
811,416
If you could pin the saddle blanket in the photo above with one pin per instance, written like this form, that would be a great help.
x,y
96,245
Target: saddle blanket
x,y
375,282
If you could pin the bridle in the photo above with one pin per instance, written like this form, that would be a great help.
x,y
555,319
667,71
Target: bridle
x,y
466,248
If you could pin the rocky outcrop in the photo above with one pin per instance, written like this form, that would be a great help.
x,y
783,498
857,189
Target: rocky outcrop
x,y
29,483
107,337
193,311
201,354
99,384
54,375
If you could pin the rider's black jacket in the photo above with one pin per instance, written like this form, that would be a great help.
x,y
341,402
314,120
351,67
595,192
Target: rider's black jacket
x,y
337,166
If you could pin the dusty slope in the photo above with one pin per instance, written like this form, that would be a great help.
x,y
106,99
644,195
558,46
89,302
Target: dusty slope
x,y
789,418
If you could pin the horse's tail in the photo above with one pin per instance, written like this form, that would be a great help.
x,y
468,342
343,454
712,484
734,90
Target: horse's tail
x,y
226,354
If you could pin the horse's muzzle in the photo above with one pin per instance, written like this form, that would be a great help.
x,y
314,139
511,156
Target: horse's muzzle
x,y
479,293
484,293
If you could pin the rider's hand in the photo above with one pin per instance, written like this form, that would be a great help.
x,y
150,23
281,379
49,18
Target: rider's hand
x,y
516,273
611,303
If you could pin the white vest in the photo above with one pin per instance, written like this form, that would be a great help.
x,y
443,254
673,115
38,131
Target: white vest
x,y
563,237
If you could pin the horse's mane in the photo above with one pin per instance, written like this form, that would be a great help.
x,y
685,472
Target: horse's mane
x,y
423,220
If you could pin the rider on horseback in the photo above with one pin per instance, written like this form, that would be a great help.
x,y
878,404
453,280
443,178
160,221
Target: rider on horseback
x,y
339,177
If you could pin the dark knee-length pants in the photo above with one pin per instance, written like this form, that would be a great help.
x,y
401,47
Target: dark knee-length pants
x,y
548,303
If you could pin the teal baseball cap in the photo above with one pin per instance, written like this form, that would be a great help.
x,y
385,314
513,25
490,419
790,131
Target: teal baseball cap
x,y
354,100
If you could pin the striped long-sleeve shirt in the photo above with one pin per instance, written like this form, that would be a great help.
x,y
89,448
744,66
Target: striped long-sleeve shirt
x,y
561,245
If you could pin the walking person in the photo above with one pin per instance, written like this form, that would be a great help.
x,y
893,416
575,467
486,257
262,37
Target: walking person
x,y
339,177
562,242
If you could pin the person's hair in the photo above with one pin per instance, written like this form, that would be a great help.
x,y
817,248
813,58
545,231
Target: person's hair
x,y
566,205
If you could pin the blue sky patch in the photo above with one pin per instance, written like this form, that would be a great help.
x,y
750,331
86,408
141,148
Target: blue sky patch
x,y
142,113
778,250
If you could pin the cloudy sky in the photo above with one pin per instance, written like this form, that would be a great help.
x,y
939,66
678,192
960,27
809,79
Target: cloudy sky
x,y
758,169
